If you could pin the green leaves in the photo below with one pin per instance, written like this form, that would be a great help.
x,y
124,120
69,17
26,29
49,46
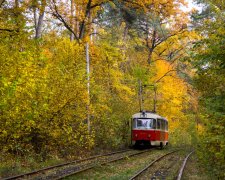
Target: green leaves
x,y
210,79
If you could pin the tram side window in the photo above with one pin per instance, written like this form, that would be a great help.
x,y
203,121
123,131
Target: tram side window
x,y
134,123
166,125
158,123
153,123
163,124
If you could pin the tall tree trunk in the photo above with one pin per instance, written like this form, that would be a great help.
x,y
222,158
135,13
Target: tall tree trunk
x,y
16,4
151,49
87,15
72,14
39,25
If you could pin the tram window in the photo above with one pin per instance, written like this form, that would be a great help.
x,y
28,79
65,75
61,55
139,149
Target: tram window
x,y
140,123
146,123
166,126
154,124
163,124
158,123
134,123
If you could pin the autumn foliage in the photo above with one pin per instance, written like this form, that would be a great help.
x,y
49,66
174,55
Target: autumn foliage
x,y
44,99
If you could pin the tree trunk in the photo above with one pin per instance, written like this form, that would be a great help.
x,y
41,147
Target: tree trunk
x,y
16,4
39,25
73,14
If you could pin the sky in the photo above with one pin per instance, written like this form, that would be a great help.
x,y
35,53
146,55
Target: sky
x,y
191,5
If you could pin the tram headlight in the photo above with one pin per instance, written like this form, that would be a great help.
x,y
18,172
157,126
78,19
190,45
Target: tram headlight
x,y
149,135
136,135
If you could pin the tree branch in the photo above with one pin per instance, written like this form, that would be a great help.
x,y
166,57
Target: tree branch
x,y
172,70
60,18
9,30
87,14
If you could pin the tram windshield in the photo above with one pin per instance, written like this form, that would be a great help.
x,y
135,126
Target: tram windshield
x,y
145,123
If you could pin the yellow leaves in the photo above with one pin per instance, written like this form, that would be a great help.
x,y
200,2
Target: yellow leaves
x,y
173,92
29,124
50,96
41,96
201,129
4,133
56,133
47,53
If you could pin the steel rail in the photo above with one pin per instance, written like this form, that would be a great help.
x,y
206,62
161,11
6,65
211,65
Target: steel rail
x,y
149,165
183,166
92,166
63,164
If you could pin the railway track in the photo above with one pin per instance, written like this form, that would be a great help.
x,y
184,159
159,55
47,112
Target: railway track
x,y
183,166
70,168
76,171
64,170
43,170
139,174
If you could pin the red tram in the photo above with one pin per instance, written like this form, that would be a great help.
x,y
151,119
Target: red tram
x,y
149,129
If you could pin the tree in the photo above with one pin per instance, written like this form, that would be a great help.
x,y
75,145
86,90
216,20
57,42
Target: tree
x,y
38,7
45,101
208,57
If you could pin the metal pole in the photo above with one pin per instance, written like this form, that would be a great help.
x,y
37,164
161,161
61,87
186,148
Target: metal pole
x,y
155,99
88,86
140,94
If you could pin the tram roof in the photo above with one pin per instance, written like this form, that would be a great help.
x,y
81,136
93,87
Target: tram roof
x,y
147,115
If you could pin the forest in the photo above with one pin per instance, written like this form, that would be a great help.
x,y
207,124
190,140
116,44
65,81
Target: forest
x,y
72,73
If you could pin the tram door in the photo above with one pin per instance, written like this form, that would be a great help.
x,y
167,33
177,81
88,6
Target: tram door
x,y
161,127
158,132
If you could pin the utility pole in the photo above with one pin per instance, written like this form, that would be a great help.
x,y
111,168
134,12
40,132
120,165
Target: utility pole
x,y
140,95
88,86
141,98
155,99
88,70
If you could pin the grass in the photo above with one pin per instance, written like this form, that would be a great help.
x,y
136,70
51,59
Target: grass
x,y
122,170
14,165
194,170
